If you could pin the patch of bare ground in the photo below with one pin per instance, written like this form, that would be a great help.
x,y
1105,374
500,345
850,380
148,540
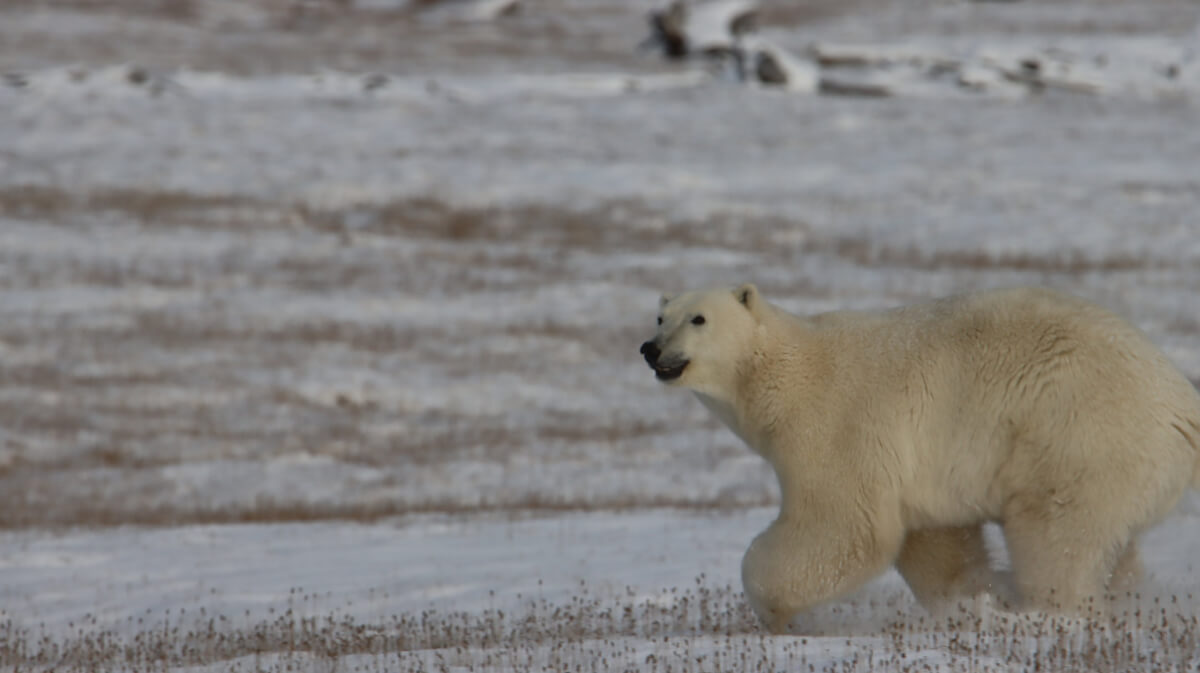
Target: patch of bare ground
x,y
276,343
180,10
540,230
273,36
175,331
1072,262
462,249
692,628
1144,188
45,421
624,227
587,430
1184,325
47,204
617,226
18,511
1103,17
790,14
131,387
436,437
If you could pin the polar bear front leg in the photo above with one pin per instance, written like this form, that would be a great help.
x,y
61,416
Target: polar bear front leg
x,y
941,565
791,566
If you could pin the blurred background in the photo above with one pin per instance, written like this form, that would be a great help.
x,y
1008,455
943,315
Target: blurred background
x,y
282,261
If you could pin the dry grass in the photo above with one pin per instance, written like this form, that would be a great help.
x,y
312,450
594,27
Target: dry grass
x,y
1070,262
126,390
613,228
17,512
274,36
178,10
790,14
46,204
697,628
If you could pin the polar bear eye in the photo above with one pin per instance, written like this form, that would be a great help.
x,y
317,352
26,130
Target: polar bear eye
x,y
698,320
660,319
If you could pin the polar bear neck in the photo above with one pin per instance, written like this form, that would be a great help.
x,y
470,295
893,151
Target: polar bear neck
x,y
726,412
752,407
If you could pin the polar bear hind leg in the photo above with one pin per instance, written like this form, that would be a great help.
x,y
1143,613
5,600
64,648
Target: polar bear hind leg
x,y
1127,572
1063,557
943,565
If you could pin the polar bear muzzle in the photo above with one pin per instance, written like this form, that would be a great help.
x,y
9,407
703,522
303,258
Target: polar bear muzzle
x,y
664,370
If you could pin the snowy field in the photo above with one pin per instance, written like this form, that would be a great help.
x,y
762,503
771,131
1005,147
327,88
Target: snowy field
x,y
319,321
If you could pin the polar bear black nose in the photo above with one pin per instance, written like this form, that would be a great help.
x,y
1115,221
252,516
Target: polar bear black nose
x,y
650,350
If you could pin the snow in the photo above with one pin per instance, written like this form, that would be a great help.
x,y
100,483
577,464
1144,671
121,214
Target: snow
x,y
124,580
336,311
709,25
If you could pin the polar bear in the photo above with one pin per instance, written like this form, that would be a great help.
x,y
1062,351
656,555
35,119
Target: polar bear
x,y
895,435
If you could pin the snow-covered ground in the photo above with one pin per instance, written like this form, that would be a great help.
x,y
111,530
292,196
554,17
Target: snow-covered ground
x,y
335,308
490,591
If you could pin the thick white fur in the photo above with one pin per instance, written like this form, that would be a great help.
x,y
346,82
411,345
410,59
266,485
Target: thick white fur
x,y
895,435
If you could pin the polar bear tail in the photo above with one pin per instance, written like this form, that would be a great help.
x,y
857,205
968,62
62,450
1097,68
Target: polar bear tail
x,y
1196,469
1193,438
1189,427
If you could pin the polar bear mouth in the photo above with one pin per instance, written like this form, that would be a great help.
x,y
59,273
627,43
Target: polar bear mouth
x,y
669,371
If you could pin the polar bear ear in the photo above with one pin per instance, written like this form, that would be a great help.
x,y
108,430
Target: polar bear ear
x,y
662,301
747,295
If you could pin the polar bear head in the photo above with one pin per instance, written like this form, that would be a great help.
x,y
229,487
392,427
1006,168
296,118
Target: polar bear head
x,y
702,338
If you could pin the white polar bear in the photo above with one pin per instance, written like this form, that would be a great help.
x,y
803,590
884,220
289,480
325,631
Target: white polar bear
x,y
896,435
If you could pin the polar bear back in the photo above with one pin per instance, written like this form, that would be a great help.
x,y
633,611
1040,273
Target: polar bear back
x,y
981,398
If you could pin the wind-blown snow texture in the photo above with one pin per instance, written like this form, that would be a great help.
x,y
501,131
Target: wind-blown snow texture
x,y
288,265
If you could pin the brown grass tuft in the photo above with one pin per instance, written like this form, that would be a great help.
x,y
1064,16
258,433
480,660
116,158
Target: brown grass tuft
x,y
696,628
1071,262
152,206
